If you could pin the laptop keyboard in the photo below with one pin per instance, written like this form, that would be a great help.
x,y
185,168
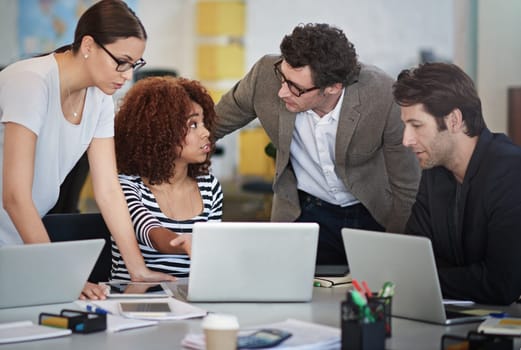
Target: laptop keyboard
x,y
459,311
454,314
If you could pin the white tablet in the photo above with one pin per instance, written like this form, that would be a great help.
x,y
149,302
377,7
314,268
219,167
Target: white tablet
x,y
127,289
146,310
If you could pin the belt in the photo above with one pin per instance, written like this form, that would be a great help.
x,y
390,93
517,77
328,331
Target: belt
x,y
305,197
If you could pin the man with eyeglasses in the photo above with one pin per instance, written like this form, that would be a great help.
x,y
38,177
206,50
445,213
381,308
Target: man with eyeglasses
x,y
340,161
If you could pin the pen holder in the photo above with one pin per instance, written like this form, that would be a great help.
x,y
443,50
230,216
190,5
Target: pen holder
x,y
366,328
77,321
381,308
363,336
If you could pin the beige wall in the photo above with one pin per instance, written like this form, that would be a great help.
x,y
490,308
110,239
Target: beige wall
x,y
498,57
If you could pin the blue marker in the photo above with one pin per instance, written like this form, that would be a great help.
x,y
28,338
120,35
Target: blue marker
x,y
97,309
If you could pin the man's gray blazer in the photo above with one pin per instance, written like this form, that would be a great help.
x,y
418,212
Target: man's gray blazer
x,y
370,158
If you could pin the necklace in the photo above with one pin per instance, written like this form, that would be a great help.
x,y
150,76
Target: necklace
x,y
74,113
65,61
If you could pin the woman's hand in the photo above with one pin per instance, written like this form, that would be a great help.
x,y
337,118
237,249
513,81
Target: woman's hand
x,y
93,291
147,275
184,242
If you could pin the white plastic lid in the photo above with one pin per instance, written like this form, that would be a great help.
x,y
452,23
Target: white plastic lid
x,y
220,321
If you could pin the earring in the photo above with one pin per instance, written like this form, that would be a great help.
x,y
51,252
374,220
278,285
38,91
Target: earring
x,y
85,56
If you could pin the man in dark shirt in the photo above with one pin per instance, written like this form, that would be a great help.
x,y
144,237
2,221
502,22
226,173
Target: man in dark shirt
x,y
469,200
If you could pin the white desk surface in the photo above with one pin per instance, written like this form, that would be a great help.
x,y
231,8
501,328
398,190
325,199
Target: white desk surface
x,y
324,309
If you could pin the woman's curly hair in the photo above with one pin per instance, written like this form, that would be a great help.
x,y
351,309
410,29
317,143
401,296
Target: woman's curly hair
x,y
150,127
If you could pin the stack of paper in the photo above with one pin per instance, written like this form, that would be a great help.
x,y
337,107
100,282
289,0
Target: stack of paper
x,y
501,325
13,332
305,336
117,323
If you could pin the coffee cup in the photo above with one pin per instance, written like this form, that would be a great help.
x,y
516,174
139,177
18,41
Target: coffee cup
x,y
220,331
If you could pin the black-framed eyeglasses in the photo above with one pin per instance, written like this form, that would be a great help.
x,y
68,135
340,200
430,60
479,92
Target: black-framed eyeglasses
x,y
294,89
123,66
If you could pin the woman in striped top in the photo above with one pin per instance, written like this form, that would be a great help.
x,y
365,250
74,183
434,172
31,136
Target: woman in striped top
x,y
163,147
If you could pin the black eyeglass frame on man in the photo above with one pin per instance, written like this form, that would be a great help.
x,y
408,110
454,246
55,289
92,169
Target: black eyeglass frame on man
x,y
123,66
292,87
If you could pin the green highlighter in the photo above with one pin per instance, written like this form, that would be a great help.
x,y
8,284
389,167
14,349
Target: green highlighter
x,y
387,290
361,302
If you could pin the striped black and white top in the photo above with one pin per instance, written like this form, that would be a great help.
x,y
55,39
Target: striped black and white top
x,y
146,214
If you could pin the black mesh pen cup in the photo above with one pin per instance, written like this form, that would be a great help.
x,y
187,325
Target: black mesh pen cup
x,y
381,308
358,333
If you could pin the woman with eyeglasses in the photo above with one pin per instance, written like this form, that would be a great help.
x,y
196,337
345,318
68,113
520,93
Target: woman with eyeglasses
x,y
55,107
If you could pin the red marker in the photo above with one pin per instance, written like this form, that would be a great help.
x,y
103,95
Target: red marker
x,y
368,292
357,287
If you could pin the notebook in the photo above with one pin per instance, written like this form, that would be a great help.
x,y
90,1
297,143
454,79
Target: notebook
x,y
331,270
252,262
46,273
408,261
14,332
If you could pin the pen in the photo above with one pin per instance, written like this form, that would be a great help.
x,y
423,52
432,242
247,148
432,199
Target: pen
x,y
387,290
368,292
365,312
97,309
357,287
358,299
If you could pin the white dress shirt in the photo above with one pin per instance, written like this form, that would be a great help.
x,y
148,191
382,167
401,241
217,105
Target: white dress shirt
x,y
312,154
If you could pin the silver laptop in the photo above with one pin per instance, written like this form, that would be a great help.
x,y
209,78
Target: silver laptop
x,y
46,273
408,261
252,262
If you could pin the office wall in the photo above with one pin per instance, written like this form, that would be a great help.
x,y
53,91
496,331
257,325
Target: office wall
x,y
387,33
498,57
171,38
8,32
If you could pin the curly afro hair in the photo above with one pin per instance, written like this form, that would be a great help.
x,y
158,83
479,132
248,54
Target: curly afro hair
x,y
150,127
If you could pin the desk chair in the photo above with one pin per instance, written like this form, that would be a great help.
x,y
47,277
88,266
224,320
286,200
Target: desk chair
x,y
71,227
262,186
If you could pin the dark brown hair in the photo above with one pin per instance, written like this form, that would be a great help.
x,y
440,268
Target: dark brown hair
x,y
150,127
107,21
325,49
441,88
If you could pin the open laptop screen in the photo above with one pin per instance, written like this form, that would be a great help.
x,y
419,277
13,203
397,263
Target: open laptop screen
x,y
46,273
252,261
408,262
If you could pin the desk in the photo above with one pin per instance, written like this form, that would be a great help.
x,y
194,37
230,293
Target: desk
x,y
324,309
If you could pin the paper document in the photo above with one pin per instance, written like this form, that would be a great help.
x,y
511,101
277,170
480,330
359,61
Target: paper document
x,y
180,309
501,325
118,323
305,335
457,302
13,332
